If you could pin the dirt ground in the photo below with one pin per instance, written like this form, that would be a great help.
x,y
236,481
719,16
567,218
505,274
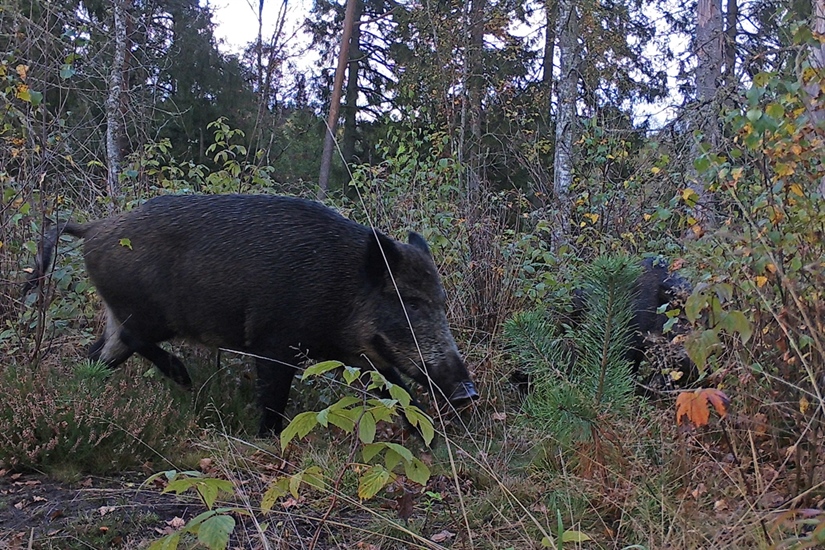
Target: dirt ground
x,y
122,512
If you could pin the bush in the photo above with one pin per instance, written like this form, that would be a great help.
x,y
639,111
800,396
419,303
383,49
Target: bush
x,y
88,418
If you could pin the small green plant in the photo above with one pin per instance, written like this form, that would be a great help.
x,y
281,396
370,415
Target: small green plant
x,y
360,415
212,527
580,376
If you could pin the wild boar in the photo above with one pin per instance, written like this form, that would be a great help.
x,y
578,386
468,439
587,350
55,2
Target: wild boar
x,y
276,277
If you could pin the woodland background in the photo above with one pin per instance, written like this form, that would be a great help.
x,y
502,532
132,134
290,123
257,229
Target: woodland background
x,y
526,140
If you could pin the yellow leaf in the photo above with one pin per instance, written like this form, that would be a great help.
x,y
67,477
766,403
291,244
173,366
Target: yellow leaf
x,y
22,70
796,189
688,193
784,169
803,404
592,217
761,280
655,170
647,217
771,268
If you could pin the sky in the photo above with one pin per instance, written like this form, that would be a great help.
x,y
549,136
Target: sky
x,y
236,21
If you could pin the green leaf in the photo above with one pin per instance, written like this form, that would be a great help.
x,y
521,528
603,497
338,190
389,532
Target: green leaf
x,y
369,451
694,305
351,374
67,71
402,451
344,419
417,471
125,243
400,394
366,428
169,542
775,110
391,459
700,347
214,532
417,418
754,114
735,321
574,536
275,491
314,477
321,368
301,425
373,480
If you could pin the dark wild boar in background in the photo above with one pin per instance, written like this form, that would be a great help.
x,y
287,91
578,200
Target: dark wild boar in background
x,y
276,277
655,286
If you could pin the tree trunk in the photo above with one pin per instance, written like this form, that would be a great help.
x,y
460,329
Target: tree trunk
x,y
351,98
731,21
814,102
567,92
335,101
114,113
710,57
551,9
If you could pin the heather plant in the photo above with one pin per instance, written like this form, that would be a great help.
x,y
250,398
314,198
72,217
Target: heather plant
x,y
87,418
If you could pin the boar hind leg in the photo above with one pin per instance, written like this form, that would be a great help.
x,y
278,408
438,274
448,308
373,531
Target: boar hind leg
x,y
168,364
274,382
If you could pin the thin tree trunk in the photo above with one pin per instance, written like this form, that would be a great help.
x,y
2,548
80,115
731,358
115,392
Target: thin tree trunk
x,y
567,88
114,114
710,57
335,101
731,21
815,100
551,9
351,98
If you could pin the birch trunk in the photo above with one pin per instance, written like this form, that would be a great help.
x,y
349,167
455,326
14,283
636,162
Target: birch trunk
x,y
567,94
114,114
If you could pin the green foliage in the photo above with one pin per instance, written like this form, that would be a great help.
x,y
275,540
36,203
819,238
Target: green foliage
x,y
87,418
580,375
213,527
359,416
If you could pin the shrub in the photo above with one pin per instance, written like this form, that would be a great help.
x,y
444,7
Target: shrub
x,y
89,418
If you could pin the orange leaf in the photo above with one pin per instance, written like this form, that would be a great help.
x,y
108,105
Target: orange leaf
x,y
695,406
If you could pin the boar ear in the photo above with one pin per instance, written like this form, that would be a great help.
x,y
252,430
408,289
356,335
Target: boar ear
x,y
418,241
381,251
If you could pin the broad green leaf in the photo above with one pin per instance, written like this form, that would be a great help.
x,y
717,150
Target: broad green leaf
x,y
344,402
67,71
401,450
400,394
699,347
417,418
314,477
366,428
275,491
301,425
351,374
369,451
694,305
735,321
391,459
321,368
214,532
344,418
417,471
754,114
373,480
775,110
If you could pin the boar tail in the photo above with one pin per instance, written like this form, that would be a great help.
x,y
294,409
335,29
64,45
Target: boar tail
x,y
46,249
